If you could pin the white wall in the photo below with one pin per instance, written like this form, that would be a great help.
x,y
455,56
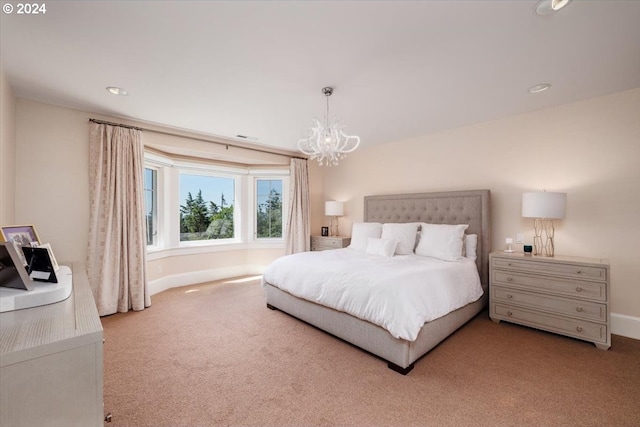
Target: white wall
x,y
589,149
52,192
7,152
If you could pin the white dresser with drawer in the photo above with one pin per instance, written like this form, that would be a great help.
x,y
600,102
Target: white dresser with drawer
x,y
564,295
322,243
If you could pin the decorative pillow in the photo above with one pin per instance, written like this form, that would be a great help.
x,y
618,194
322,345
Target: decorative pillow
x,y
405,234
470,246
360,233
442,241
381,247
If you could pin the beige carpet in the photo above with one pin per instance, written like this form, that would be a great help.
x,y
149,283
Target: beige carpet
x,y
215,355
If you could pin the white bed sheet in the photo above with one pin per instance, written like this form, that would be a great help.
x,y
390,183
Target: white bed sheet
x,y
400,293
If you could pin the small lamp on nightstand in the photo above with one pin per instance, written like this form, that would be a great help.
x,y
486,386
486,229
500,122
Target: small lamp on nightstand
x,y
544,207
334,210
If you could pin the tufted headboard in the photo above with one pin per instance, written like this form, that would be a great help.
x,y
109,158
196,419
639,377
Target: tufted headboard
x,y
471,207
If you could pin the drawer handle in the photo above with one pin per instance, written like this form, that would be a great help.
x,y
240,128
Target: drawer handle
x,y
579,309
579,272
509,296
509,264
579,328
509,279
509,313
578,289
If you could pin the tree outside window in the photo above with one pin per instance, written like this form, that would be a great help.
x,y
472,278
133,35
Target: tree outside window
x,y
269,208
207,209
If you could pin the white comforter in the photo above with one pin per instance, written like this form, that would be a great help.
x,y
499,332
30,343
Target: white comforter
x,y
399,294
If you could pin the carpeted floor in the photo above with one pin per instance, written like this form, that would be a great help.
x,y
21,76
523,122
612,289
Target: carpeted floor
x,y
213,354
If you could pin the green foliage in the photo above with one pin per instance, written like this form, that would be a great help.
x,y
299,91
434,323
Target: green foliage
x,y
269,221
201,222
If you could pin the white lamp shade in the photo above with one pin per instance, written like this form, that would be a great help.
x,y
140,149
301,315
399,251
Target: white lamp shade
x,y
544,205
333,208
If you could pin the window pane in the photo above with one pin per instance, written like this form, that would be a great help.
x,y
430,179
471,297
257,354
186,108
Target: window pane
x,y
269,208
151,205
206,210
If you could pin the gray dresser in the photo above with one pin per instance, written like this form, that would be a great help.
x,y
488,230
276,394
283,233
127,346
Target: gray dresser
x,y
51,362
565,295
322,243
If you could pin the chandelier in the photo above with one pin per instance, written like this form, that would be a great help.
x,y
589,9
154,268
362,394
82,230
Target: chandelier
x,y
327,143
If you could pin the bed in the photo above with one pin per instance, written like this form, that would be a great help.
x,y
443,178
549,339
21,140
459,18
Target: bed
x,y
455,207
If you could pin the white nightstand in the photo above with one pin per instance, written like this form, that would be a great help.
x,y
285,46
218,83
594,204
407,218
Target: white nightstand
x,y
322,243
565,295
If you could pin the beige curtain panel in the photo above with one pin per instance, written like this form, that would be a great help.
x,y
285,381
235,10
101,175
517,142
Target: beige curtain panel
x,y
298,221
116,260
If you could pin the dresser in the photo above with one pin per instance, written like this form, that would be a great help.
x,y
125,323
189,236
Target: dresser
x,y
560,294
322,243
51,371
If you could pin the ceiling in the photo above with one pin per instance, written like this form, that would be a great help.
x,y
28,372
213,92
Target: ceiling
x,y
399,69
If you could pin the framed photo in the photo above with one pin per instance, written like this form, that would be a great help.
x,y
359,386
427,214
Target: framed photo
x,y
20,235
325,231
12,273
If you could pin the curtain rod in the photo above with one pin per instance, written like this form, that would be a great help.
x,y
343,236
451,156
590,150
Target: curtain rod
x,y
227,145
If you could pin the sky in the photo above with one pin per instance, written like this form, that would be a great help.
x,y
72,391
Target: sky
x,y
212,187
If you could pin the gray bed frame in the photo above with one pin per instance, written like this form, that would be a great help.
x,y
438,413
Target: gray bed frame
x,y
453,207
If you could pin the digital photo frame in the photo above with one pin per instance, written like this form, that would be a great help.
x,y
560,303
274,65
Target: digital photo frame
x,y
39,266
12,272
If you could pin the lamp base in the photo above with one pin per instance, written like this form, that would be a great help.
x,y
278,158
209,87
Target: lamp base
x,y
333,226
543,246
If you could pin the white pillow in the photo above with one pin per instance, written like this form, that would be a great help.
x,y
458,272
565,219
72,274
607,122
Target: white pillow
x,y
442,241
405,234
470,246
360,233
382,247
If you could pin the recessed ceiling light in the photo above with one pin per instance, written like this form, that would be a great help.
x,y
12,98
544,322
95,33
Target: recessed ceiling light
x,y
117,91
539,88
545,7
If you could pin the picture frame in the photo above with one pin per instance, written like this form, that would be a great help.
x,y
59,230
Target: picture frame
x,y
24,234
40,266
325,231
20,235
12,272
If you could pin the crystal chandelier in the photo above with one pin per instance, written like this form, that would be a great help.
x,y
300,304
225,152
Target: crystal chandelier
x,y
327,143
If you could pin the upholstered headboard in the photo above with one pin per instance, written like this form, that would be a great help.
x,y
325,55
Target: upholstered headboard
x,y
449,207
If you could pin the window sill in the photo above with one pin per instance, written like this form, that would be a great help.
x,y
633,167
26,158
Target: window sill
x,y
159,253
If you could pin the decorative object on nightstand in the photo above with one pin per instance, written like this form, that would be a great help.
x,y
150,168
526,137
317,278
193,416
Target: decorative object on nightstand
x,y
564,295
334,210
320,243
509,242
544,207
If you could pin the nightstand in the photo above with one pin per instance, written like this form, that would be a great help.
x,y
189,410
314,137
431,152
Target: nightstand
x,y
560,294
322,243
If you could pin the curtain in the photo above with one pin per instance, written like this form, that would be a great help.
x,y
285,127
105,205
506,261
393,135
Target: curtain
x,y
116,258
298,226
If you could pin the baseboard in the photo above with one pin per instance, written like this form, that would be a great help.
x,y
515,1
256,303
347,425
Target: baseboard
x,y
203,276
627,326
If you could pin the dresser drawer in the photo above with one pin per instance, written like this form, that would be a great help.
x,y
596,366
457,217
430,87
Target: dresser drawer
x,y
564,306
576,328
572,288
540,267
322,243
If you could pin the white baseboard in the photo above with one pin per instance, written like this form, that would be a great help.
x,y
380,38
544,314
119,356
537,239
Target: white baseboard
x,y
627,326
203,276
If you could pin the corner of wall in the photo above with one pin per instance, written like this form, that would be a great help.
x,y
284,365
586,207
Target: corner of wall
x,y
7,150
